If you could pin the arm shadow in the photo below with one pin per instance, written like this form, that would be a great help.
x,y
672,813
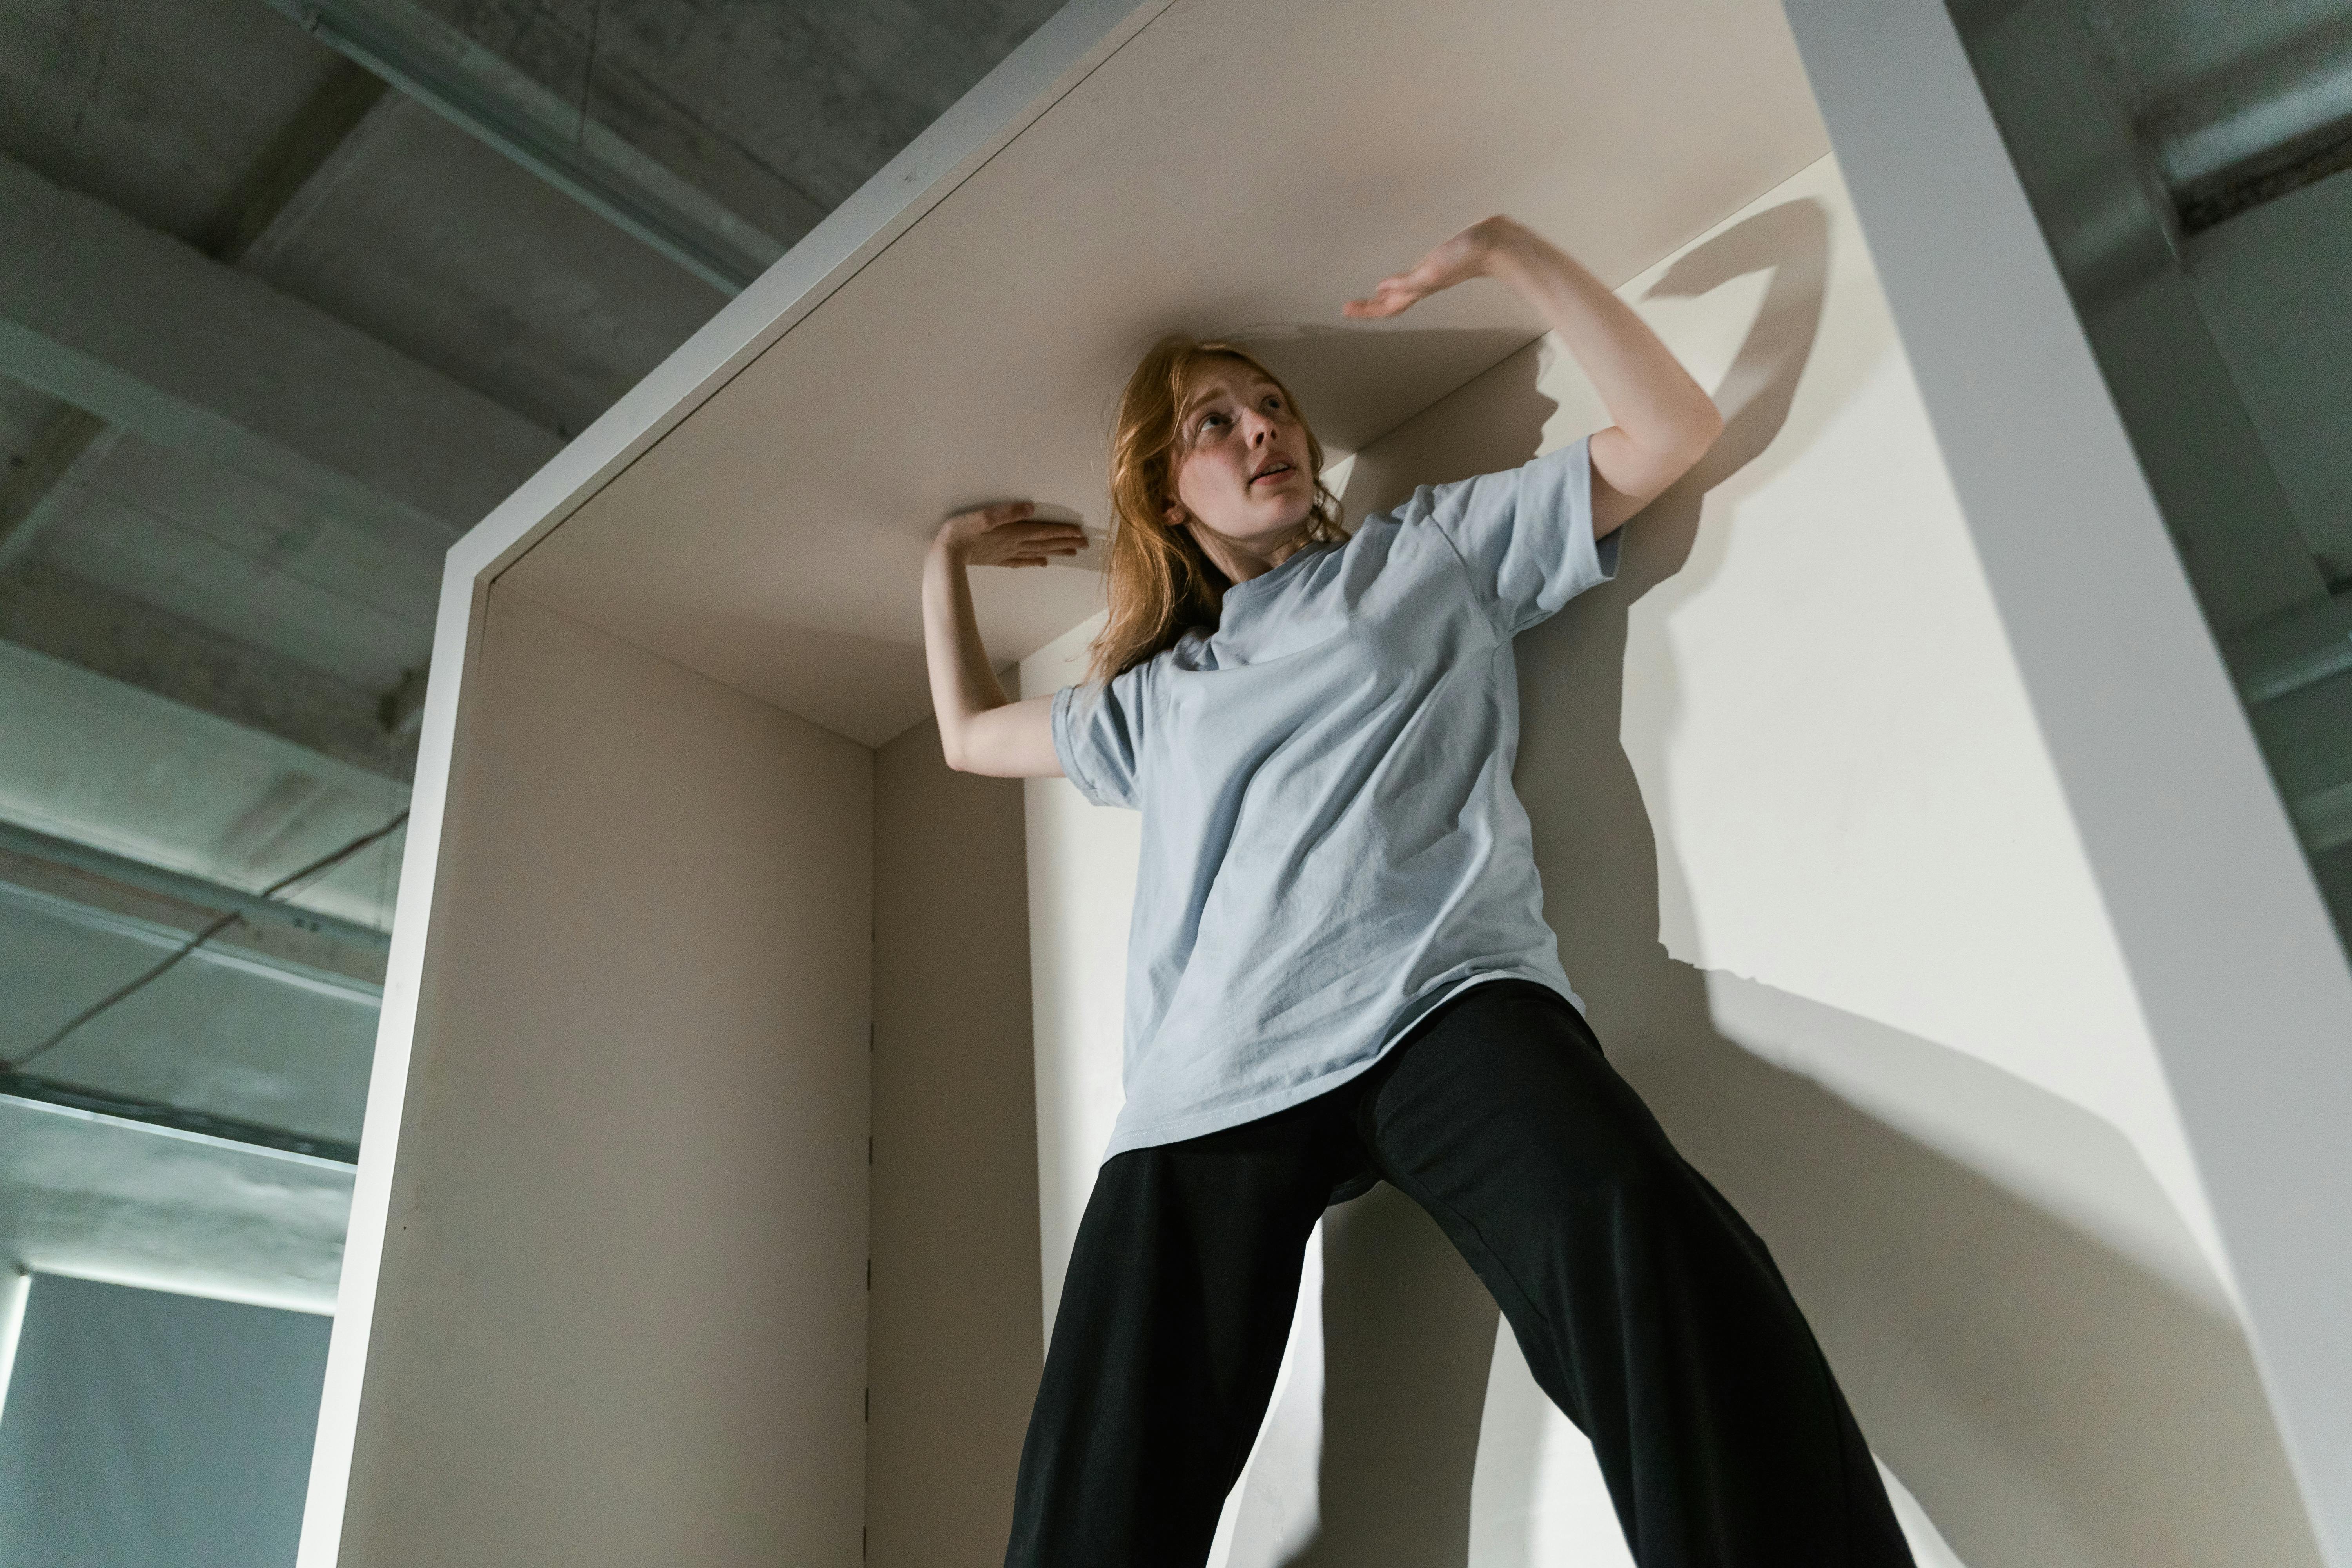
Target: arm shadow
x,y
2028,1382
1409,1332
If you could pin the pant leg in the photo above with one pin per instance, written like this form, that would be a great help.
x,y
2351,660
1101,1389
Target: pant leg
x,y
1174,1314
1648,1310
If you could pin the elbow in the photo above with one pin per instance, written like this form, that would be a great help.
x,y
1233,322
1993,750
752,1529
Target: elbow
x,y
1711,426
1693,436
1700,432
954,748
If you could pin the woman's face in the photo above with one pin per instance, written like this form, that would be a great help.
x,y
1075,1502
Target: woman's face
x,y
1241,459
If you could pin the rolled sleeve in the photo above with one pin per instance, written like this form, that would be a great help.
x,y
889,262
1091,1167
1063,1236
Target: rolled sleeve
x,y
1525,535
1095,736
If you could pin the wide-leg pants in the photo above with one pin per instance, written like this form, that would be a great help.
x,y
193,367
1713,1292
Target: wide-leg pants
x,y
1647,1310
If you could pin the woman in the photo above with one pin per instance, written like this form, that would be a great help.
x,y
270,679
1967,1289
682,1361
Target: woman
x,y
1339,971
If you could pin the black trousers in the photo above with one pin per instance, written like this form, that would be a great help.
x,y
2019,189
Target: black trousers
x,y
1648,1310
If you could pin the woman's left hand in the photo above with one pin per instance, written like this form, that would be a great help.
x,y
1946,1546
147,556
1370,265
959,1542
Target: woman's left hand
x,y
1459,260
1664,421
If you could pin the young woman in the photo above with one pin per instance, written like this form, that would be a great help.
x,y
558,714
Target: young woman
x,y
1339,971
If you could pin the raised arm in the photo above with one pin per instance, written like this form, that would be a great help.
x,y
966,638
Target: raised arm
x,y
981,730
1664,420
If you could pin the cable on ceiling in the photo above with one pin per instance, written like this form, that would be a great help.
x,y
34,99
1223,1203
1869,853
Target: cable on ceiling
x,y
124,993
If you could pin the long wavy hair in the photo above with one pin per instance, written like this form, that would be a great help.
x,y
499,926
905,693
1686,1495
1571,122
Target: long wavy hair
x,y
1159,583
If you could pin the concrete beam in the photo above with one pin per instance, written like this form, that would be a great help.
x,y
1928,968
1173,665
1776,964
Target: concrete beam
x,y
401,710
77,443
102,891
72,441
55,613
145,332
2272,121
105,1197
484,96
293,167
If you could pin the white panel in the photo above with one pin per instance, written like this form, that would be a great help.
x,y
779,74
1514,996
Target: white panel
x,y
2234,960
953,1344
1058,54
1827,779
1848,797
621,1310
1082,861
1238,166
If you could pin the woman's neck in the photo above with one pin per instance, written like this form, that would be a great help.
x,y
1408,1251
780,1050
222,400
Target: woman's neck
x,y
1240,563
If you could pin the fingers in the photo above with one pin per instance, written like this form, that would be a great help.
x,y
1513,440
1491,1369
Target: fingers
x,y
1391,295
1070,533
1021,542
1015,517
1010,533
1378,307
1454,262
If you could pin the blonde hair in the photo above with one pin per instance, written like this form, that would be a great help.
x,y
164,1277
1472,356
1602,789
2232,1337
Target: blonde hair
x,y
1159,583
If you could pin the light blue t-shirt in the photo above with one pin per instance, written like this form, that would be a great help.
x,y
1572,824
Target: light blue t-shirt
x,y
1331,844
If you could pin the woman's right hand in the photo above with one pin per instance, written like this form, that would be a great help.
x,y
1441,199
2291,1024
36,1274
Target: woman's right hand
x,y
980,730
1007,534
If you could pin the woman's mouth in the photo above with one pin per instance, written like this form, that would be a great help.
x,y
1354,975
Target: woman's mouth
x,y
1274,471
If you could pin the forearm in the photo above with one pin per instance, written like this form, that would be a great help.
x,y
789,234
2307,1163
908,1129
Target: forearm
x,y
963,686
982,731
1664,420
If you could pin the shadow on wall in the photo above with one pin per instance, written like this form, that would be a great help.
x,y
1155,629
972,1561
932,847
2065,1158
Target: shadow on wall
x,y
2045,1398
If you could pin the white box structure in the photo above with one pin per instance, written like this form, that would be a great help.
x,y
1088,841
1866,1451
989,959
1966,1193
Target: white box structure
x,y
741,1070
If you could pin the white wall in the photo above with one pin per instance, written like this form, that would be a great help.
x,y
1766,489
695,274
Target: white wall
x,y
2045,414
1810,865
621,1311
953,1339
1850,799
1082,863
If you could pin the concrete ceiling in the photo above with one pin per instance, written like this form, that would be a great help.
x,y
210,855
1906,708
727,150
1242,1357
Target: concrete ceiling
x,y
781,109
436,246
100,1198
2166,50
243,1031
163,109
1237,168
272,334
109,764
2232,105
239,523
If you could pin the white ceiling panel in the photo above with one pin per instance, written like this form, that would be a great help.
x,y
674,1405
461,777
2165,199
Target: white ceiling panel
x,y
1238,167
